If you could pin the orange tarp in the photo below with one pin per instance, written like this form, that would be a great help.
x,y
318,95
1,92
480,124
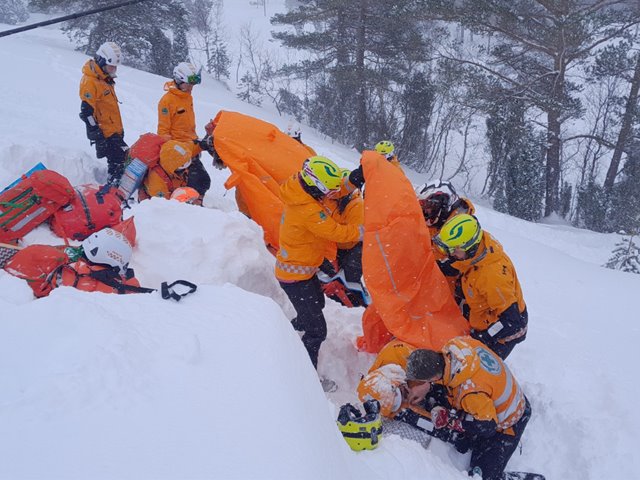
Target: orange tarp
x,y
409,292
260,158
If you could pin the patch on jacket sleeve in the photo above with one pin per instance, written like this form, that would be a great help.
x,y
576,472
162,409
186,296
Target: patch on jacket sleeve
x,y
323,216
87,95
165,111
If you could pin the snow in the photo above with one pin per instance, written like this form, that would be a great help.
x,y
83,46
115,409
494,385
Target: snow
x,y
219,385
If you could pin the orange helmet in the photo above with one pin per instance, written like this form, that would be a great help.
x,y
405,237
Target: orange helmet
x,y
185,194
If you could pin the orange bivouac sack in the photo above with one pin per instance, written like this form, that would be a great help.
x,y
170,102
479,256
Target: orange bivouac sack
x,y
408,289
38,265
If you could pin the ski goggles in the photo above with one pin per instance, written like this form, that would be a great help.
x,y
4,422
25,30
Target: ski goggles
x,y
194,79
450,249
318,183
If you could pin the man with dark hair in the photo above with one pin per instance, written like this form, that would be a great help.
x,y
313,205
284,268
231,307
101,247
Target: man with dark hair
x,y
484,403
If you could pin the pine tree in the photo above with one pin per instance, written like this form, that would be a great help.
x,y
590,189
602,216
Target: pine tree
x,y
362,53
13,11
517,158
626,255
152,35
534,47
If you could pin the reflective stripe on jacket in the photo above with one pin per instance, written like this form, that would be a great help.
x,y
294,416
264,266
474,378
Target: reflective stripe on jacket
x,y
474,373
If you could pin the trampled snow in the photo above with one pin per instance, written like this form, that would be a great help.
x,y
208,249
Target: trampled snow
x,y
219,385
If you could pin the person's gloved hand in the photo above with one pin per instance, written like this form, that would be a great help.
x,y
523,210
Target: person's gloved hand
x,y
442,418
205,143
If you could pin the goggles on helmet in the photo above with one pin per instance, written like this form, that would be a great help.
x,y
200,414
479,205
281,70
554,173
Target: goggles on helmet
x,y
465,247
308,172
195,78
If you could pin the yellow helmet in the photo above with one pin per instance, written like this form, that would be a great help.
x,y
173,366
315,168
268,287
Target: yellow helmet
x,y
322,173
385,148
462,231
361,432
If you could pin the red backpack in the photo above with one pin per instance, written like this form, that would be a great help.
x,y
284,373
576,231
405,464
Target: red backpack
x,y
31,202
91,209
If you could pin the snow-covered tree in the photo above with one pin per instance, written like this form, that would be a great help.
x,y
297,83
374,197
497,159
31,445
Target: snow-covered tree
x,y
152,35
13,11
626,255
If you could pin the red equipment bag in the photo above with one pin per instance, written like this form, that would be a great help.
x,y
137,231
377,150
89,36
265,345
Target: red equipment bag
x,y
147,149
31,202
93,208
38,264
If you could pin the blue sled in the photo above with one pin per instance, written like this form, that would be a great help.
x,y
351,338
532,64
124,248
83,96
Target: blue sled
x,y
39,166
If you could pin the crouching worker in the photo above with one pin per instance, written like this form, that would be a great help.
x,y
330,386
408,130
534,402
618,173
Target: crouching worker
x,y
170,173
306,229
487,282
99,265
485,410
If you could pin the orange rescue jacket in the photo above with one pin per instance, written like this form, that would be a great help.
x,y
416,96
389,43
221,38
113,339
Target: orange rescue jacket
x,y
479,383
176,117
98,90
306,229
489,283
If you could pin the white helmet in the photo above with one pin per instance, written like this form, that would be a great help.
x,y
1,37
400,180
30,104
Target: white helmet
x,y
186,73
437,199
109,53
108,247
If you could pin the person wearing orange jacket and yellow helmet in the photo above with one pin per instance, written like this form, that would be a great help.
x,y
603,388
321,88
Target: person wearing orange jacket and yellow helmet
x,y
177,120
494,304
170,173
99,109
387,149
306,230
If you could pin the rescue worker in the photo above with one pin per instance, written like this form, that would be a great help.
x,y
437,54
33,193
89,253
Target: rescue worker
x,y
439,202
170,173
177,120
346,269
306,229
388,150
487,281
490,410
99,109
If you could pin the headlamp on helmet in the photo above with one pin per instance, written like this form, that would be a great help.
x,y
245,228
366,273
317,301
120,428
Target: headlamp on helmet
x,y
361,432
386,149
322,173
462,231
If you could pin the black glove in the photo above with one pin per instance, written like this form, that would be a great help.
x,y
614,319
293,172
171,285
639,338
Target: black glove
x,y
356,177
94,133
205,144
447,268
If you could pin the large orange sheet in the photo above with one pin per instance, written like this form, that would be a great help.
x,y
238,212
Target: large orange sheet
x,y
260,158
409,292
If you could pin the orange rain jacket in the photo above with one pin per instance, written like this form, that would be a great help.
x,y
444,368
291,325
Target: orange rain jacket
x,y
176,117
409,292
479,383
489,283
98,90
307,229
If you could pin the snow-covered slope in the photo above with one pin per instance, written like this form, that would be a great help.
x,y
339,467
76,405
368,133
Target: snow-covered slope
x,y
219,385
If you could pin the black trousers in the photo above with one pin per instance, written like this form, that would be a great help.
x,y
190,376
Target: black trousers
x,y
308,300
351,262
198,178
115,149
492,454
513,322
